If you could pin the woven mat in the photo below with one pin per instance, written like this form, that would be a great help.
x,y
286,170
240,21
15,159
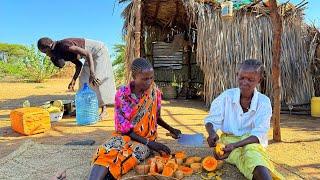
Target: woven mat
x,y
40,161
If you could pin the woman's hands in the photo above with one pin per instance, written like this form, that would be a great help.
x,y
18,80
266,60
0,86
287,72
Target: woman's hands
x,y
160,148
227,150
212,139
175,133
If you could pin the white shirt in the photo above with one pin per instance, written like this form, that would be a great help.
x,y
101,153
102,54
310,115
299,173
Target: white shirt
x,y
226,114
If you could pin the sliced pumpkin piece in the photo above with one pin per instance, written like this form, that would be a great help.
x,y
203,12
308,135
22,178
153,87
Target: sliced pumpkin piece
x,y
167,171
178,174
179,161
196,167
219,149
197,159
180,155
160,166
186,170
193,159
172,164
189,161
209,163
153,167
142,169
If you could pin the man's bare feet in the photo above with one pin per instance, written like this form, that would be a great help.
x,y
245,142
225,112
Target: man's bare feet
x,y
60,175
103,114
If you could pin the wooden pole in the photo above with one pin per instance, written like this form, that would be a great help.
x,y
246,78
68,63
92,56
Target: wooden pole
x,y
137,29
276,80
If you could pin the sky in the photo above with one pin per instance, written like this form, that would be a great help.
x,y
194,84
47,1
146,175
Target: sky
x,y
25,21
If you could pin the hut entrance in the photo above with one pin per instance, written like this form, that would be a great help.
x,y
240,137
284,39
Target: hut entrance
x,y
176,72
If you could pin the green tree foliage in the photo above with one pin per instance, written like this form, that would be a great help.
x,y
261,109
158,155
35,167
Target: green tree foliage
x,y
13,50
38,65
26,62
118,64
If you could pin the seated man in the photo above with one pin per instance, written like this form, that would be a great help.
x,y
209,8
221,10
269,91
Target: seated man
x,y
243,115
137,114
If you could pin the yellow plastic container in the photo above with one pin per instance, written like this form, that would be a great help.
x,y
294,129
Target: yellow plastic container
x,y
315,106
30,120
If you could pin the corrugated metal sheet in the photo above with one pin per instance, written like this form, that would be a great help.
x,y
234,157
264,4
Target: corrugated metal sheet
x,y
164,56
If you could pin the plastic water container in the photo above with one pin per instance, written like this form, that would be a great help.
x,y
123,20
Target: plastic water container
x,y
87,107
315,106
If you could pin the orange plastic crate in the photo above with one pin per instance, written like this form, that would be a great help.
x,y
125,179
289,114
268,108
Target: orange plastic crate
x,y
30,120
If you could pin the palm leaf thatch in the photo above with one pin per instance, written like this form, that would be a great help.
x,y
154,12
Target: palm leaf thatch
x,y
223,43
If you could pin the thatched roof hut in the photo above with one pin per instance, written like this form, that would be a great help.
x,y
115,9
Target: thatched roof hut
x,y
212,46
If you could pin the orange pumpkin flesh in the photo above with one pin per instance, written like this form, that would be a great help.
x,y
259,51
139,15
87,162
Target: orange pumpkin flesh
x,y
209,163
189,161
172,164
186,170
167,171
159,166
180,155
153,167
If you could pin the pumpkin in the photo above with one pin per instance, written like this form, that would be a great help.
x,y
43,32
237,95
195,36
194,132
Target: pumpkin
x,y
196,167
191,160
159,165
178,174
180,155
153,167
179,161
186,170
209,163
197,159
219,149
150,160
167,171
142,169
172,164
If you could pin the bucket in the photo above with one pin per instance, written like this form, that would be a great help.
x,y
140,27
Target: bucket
x,y
56,116
315,106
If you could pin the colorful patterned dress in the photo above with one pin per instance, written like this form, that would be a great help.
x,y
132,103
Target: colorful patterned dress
x,y
120,154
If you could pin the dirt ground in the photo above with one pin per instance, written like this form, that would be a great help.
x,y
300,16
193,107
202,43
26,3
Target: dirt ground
x,y
297,156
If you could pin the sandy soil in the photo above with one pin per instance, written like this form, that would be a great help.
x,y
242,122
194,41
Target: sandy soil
x,y
297,156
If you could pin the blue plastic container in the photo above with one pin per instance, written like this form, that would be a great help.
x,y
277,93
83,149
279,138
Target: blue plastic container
x,y
87,108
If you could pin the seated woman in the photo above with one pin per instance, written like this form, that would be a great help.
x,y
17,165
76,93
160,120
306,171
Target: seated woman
x,y
243,115
137,114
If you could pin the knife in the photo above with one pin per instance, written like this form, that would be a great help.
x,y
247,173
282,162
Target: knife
x,y
189,140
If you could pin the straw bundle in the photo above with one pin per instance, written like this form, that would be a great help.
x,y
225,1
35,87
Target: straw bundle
x,y
129,14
